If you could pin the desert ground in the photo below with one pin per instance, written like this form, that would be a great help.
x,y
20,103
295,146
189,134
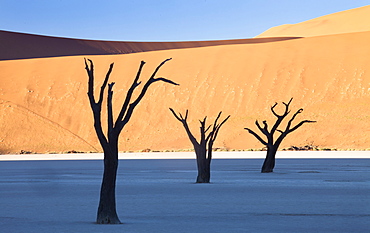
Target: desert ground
x,y
304,194
44,107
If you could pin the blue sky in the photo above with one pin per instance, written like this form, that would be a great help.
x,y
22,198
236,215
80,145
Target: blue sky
x,y
160,20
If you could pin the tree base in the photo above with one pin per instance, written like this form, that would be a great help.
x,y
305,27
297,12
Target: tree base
x,y
203,179
202,182
267,171
108,220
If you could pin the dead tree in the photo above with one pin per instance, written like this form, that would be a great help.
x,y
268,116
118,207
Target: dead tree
x,y
272,146
203,154
107,205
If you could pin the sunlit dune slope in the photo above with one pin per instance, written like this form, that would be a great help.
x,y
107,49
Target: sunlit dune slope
x,y
44,105
354,20
15,45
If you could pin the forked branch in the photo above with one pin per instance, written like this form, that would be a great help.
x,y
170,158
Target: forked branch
x,y
286,111
184,122
90,72
204,138
127,107
256,136
130,91
280,118
217,127
97,106
125,115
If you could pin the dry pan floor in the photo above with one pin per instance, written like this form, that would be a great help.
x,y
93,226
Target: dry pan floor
x,y
303,195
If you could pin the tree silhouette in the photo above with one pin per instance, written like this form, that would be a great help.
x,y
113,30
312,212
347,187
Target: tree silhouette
x,y
272,146
107,205
203,154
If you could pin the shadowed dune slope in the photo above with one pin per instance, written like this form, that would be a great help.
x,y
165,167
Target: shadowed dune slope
x,y
15,45
354,20
44,106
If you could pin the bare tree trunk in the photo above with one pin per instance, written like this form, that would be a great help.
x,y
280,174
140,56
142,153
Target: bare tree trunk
x,y
203,165
204,174
107,213
269,163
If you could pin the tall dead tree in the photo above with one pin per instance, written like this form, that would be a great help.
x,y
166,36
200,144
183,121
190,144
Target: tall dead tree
x,y
272,146
107,205
203,148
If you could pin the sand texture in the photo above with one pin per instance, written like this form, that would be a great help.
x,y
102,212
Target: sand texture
x,y
44,106
354,20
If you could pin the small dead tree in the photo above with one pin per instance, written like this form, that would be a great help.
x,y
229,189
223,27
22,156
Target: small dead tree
x,y
272,146
107,205
203,154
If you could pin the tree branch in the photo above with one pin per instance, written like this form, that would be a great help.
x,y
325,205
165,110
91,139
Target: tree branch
x,y
129,94
300,124
293,117
102,88
90,73
218,127
186,114
164,80
286,111
280,117
287,104
95,107
256,135
205,131
210,135
213,134
264,129
109,108
202,131
218,117
180,118
158,67
273,111
133,105
185,124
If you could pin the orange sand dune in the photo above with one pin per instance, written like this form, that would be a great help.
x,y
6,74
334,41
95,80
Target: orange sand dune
x,y
21,46
44,105
354,20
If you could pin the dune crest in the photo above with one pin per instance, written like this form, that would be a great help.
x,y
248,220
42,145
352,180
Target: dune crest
x,y
15,45
349,21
